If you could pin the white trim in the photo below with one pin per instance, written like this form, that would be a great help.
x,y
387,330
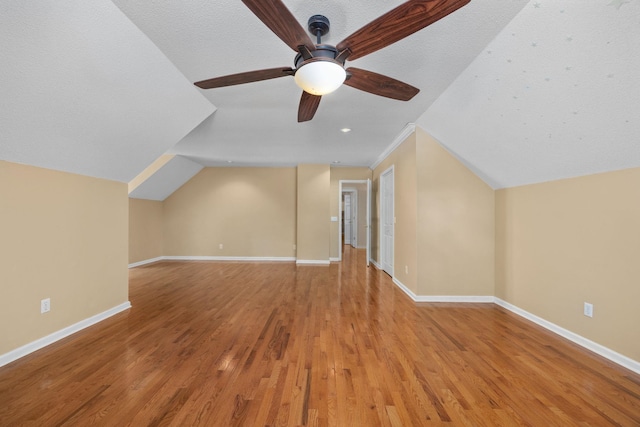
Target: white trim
x,y
404,289
478,299
404,134
62,333
375,264
228,258
334,259
353,192
212,258
599,349
146,261
340,190
443,298
313,262
368,222
571,336
388,173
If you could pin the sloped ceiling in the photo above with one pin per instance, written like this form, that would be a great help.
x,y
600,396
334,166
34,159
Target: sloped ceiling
x,y
167,179
521,91
84,91
556,95
256,124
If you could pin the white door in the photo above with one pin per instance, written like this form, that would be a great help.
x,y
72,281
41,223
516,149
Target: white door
x,y
368,225
387,220
354,219
347,219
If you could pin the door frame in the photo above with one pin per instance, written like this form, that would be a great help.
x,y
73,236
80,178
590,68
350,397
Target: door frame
x,y
388,173
346,182
353,193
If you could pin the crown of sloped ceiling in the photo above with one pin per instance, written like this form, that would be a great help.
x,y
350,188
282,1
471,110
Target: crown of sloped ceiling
x,y
521,91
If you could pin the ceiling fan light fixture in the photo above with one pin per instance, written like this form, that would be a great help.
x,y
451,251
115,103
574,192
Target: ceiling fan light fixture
x,y
320,77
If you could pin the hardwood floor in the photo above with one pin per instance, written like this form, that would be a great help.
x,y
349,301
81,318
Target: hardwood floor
x,y
254,344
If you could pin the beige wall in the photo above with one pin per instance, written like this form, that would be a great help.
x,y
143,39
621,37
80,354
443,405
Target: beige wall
x,y
64,237
314,221
250,211
345,173
456,225
562,243
197,201
403,160
145,230
444,221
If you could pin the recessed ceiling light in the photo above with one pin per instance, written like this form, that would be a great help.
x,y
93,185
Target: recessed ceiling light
x,y
345,130
335,162
229,161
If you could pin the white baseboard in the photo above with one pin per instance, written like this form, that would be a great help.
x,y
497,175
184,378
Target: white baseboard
x,y
224,258
478,299
571,336
62,333
334,259
403,288
313,262
146,261
211,258
376,265
443,298
603,351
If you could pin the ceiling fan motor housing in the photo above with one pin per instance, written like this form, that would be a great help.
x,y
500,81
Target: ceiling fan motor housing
x,y
319,26
322,52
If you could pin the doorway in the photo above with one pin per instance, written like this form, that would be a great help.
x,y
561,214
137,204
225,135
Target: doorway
x,y
387,220
355,215
350,217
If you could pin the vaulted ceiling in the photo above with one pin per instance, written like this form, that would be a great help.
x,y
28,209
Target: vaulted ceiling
x,y
520,91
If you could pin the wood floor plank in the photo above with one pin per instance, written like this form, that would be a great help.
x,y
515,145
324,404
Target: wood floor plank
x,y
275,344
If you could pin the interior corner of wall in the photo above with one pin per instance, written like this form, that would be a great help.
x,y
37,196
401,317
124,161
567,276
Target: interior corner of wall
x,y
149,171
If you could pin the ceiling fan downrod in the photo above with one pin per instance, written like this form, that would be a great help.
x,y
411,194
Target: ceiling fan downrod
x,y
319,26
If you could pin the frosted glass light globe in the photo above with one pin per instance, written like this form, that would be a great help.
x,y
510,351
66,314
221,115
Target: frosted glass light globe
x,y
320,77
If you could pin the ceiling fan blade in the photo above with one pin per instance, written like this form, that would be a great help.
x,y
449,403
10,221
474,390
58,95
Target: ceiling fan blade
x,y
246,77
378,84
397,24
275,15
308,106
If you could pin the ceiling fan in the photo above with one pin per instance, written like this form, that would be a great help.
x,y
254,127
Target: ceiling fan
x,y
319,68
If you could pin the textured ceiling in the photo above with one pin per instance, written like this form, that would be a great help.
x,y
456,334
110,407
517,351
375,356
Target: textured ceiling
x,y
520,91
256,124
166,179
84,91
555,96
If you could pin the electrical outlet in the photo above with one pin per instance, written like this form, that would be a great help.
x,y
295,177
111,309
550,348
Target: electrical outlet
x,y
588,309
294,247
406,269
221,246
45,305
